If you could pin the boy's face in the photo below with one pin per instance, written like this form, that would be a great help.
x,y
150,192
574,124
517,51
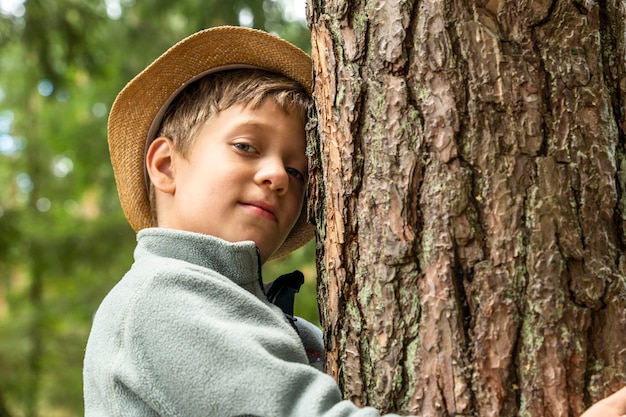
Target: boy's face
x,y
244,178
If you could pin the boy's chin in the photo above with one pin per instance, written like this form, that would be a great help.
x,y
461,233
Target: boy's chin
x,y
266,253
267,247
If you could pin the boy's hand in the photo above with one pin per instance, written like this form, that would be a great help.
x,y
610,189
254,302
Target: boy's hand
x,y
612,406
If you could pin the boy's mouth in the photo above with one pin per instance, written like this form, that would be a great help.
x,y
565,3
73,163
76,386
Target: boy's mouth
x,y
262,208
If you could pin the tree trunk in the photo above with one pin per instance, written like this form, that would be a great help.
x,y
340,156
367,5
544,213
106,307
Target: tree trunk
x,y
470,202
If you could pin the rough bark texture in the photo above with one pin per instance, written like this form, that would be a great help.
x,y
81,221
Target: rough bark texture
x,y
470,202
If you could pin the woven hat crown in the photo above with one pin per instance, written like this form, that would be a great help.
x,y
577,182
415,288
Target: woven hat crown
x,y
140,105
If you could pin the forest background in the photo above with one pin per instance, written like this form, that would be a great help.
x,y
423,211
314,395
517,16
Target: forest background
x,y
64,241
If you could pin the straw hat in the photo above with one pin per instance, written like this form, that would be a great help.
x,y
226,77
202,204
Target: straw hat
x,y
137,111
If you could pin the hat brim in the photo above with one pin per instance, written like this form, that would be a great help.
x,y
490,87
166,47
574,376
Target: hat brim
x,y
141,103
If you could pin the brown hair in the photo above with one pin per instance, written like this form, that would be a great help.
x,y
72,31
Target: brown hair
x,y
204,98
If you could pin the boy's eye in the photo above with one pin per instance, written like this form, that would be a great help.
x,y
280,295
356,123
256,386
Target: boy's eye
x,y
244,147
296,174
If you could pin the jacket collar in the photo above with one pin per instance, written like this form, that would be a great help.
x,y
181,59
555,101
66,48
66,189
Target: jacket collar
x,y
238,261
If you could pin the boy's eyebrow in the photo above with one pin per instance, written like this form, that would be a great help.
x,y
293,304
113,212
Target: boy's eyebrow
x,y
254,123
248,125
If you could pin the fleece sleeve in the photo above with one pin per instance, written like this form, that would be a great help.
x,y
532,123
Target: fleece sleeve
x,y
207,347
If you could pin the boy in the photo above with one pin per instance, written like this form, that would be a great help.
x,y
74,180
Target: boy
x,y
208,144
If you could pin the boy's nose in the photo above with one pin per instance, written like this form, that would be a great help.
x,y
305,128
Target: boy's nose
x,y
273,175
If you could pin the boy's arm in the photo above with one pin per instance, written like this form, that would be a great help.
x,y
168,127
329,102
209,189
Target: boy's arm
x,y
612,406
203,346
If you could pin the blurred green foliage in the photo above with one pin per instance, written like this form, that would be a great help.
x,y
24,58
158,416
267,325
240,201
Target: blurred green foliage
x,y
63,239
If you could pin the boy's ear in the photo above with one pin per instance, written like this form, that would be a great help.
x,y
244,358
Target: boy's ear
x,y
159,164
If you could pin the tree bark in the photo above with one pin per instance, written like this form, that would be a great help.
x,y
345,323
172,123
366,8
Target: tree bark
x,y
469,199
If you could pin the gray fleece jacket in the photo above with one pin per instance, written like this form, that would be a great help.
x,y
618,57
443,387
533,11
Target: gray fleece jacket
x,y
188,332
